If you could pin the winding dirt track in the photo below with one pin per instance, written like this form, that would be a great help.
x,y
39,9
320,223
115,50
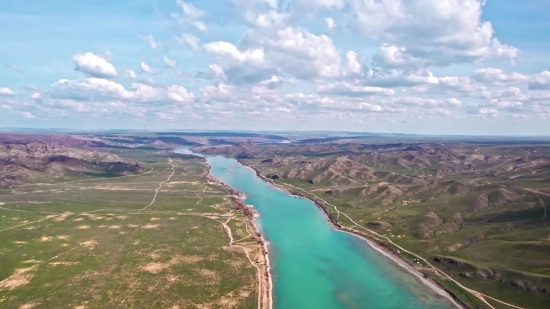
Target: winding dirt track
x,y
477,294
160,186
228,229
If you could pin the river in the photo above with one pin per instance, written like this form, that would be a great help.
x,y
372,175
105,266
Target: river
x,y
312,264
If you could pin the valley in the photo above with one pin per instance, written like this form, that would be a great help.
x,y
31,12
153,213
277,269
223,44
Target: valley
x,y
475,211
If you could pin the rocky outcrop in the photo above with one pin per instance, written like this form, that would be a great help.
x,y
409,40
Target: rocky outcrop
x,y
379,225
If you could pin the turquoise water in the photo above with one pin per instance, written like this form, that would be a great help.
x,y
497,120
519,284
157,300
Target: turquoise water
x,y
315,266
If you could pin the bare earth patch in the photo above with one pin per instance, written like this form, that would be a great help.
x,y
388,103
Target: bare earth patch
x,y
90,244
63,237
62,263
29,305
63,216
154,219
31,262
83,227
115,227
95,217
155,268
46,238
122,217
149,226
20,277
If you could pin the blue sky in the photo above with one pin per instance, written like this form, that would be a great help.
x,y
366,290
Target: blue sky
x,y
423,66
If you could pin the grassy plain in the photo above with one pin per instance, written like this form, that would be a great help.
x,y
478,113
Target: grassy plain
x,y
117,242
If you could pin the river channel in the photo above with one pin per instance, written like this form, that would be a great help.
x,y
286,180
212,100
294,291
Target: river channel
x,y
312,264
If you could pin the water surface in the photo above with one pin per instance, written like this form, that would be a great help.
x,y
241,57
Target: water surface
x,y
312,264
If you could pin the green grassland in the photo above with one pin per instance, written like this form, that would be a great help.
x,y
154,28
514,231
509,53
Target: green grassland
x,y
93,242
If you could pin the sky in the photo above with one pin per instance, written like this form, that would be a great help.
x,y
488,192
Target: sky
x,y
469,67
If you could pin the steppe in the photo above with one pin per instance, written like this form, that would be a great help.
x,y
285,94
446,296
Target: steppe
x,y
89,225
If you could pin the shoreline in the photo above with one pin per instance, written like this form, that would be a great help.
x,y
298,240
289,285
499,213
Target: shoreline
x,y
252,214
429,282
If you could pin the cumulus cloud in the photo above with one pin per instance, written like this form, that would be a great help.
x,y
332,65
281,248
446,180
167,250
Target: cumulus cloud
x,y
459,85
151,40
398,78
352,65
6,92
189,39
540,81
179,94
352,90
492,76
94,65
145,68
28,115
427,33
97,89
331,24
226,49
439,111
169,62
190,16
285,52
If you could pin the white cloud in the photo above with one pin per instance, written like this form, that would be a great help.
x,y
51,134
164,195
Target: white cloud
x,y
294,52
429,32
331,24
36,96
492,76
131,74
488,111
89,89
94,65
169,62
151,40
179,94
313,5
352,90
145,68
268,19
28,115
190,15
461,85
96,89
453,102
398,78
6,92
217,70
540,81
352,64
226,49
439,111
190,40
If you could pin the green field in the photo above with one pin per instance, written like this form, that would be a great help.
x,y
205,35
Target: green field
x,y
101,242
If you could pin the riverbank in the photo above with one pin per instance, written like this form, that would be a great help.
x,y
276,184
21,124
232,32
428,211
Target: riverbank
x,y
264,275
378,245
